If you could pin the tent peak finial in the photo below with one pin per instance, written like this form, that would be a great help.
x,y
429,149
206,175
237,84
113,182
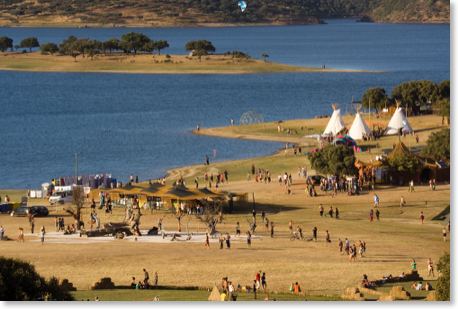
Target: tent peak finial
x,y
334,106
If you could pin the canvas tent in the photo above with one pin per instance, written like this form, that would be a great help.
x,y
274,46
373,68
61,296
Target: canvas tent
x,y
358,128
398,121
336,122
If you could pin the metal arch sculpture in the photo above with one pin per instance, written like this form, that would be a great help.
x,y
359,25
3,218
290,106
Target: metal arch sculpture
x,y
251,117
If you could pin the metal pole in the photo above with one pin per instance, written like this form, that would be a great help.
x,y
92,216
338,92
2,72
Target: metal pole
x,y
76,167
369,110
351,106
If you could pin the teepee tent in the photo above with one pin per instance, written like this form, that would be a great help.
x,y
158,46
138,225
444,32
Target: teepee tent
x,y
215,295
336,122
398,121
359,127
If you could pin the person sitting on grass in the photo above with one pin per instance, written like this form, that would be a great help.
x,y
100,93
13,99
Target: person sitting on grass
x,y
414,285
428,287
419,286
132,283
291,288
297,288
402,276
139,286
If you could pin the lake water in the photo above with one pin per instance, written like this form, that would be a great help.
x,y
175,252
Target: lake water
x,y
46,118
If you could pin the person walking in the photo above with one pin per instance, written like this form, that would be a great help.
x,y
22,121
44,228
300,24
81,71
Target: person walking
x,y
156,279
327,239
221,241
430,267
314,230
237,230
337,213
207,241
263,281
146,276
254,288
414,265
42,234
266,224
56,222
422,217
371,215
330,212
377,215
403,201
376,200
290,226
254,215
258,279
340,244
2,231
444,233
321,209
248,238
272,225
347,246
32,225
263,215
228,241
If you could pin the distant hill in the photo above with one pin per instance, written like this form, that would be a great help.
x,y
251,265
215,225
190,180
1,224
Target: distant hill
x,y
216,12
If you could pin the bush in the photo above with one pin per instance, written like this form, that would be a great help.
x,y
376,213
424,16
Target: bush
x,y
24,51
443,283
19,281
167,56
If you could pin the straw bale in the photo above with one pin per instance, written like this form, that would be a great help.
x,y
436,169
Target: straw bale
x,y
215,295
353,293
386,297
399,292
431,296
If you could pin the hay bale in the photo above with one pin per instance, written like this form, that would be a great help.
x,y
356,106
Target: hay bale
x,y
215,295
353,293
431,296
105,280
66,286
412,275
386,297
399,292
102,284
63,281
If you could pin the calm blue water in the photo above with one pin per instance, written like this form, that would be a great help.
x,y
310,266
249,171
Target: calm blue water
x,y
46,117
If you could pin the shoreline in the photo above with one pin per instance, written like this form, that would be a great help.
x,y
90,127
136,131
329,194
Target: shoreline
x,y
149,63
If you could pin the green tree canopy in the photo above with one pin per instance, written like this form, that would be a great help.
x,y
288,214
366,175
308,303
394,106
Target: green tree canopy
x,y
135,40
49,48
438,145
19,281
202,46
444,88
336,160
443,283
377,97
265,56
405,162
29,43
161,44
110,44
5,43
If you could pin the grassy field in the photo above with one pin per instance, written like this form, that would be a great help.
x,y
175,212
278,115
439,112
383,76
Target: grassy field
x,y
185,295
146,63
392,242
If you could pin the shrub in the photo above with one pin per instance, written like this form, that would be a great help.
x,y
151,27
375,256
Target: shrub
x,y
167,56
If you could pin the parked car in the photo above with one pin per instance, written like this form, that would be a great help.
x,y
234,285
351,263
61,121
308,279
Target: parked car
x,y
315,179
61,197
38,211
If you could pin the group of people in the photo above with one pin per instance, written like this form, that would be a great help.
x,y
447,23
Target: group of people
x,y
219,178
351,250
144,285
260,176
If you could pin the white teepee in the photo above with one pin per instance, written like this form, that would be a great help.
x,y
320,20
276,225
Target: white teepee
x,y
336,122
358,128
398,121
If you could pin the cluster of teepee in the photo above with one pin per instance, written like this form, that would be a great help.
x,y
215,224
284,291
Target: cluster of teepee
x,y
359,126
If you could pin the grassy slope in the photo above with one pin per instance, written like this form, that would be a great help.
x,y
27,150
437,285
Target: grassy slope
x,y
145,63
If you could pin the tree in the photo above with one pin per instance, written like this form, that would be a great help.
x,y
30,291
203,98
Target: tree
x,y
78,201
377,97
202,46
49,47
405,162
438,145
407,93
444,88
65,46
16,47
136,40
30,43
19,281
336,160
5,43
111,44
427,91
160,45
265,56
150,46
443,283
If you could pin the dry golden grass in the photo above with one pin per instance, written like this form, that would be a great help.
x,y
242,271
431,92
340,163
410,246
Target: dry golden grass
x,y
146,63
391,243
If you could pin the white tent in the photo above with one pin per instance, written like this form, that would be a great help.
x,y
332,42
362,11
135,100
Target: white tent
x,y
398,121
335,124
358,128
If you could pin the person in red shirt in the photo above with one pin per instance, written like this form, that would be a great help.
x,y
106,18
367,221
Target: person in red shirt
x,y
297,288
258,279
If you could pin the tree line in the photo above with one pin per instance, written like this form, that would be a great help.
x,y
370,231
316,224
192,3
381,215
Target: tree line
x,y
412,94
130,42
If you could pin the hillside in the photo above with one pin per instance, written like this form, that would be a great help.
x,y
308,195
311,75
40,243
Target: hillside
x,y
178,13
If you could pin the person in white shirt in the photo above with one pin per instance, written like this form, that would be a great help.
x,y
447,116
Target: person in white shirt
x,y
419,286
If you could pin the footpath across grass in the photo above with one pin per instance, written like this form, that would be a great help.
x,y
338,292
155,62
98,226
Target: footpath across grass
x,y
186,295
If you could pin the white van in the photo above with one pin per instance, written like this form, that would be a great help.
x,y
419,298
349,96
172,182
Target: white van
x,y
62,195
